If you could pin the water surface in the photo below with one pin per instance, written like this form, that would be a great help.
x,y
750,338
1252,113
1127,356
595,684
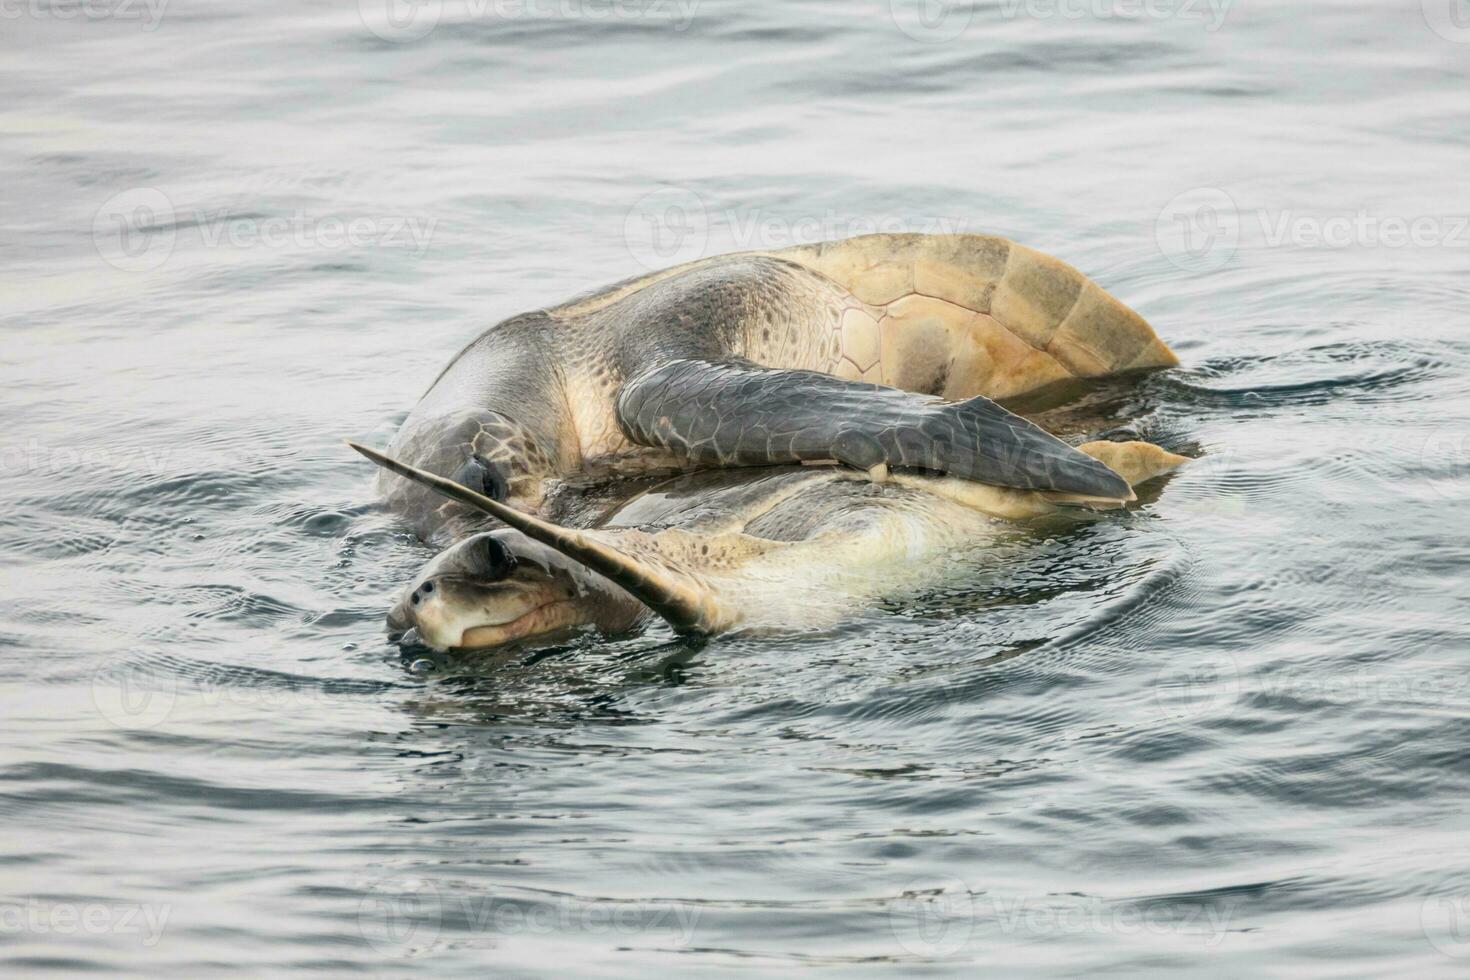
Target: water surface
x,y
1225,731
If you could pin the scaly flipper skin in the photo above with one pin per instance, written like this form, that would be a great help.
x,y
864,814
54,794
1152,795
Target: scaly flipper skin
x,y
732,412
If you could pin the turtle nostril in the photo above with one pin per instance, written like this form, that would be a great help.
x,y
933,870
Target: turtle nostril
x,y
428,587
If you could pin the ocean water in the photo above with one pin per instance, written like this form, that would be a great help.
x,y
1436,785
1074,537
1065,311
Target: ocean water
x,y
1224,733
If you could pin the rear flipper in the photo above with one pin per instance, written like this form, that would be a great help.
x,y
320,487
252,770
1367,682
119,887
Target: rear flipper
x,y
1135,462
734,412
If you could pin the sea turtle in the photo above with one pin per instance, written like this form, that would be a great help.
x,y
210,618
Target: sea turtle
x,y
880,351
783,547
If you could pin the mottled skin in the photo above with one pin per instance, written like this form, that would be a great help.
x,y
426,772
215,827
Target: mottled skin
x,y
691,408
777,548
837,351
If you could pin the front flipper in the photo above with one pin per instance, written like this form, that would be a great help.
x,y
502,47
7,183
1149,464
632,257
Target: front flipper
x,y
734,412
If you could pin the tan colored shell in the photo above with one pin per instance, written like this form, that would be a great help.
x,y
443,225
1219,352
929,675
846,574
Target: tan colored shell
x,y
993,317
957,315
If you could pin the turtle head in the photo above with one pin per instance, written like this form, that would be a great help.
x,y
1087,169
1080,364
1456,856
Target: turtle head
x,y
501,587
485,451
506,585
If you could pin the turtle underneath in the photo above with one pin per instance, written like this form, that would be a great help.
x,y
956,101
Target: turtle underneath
x,y
780,548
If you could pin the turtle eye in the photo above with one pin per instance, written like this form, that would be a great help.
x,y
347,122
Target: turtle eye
x,y
483,476
495,559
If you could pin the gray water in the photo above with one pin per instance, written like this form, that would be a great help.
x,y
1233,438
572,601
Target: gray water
x,y
1225,732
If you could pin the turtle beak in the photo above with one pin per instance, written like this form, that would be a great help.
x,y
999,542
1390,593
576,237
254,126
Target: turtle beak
x,y
398,621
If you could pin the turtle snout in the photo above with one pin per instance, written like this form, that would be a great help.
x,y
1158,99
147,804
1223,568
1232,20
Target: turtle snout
x,y
412,604
421,594
441,608
399,621
431,608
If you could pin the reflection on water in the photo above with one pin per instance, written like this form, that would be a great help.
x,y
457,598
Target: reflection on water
x,y
1225,728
